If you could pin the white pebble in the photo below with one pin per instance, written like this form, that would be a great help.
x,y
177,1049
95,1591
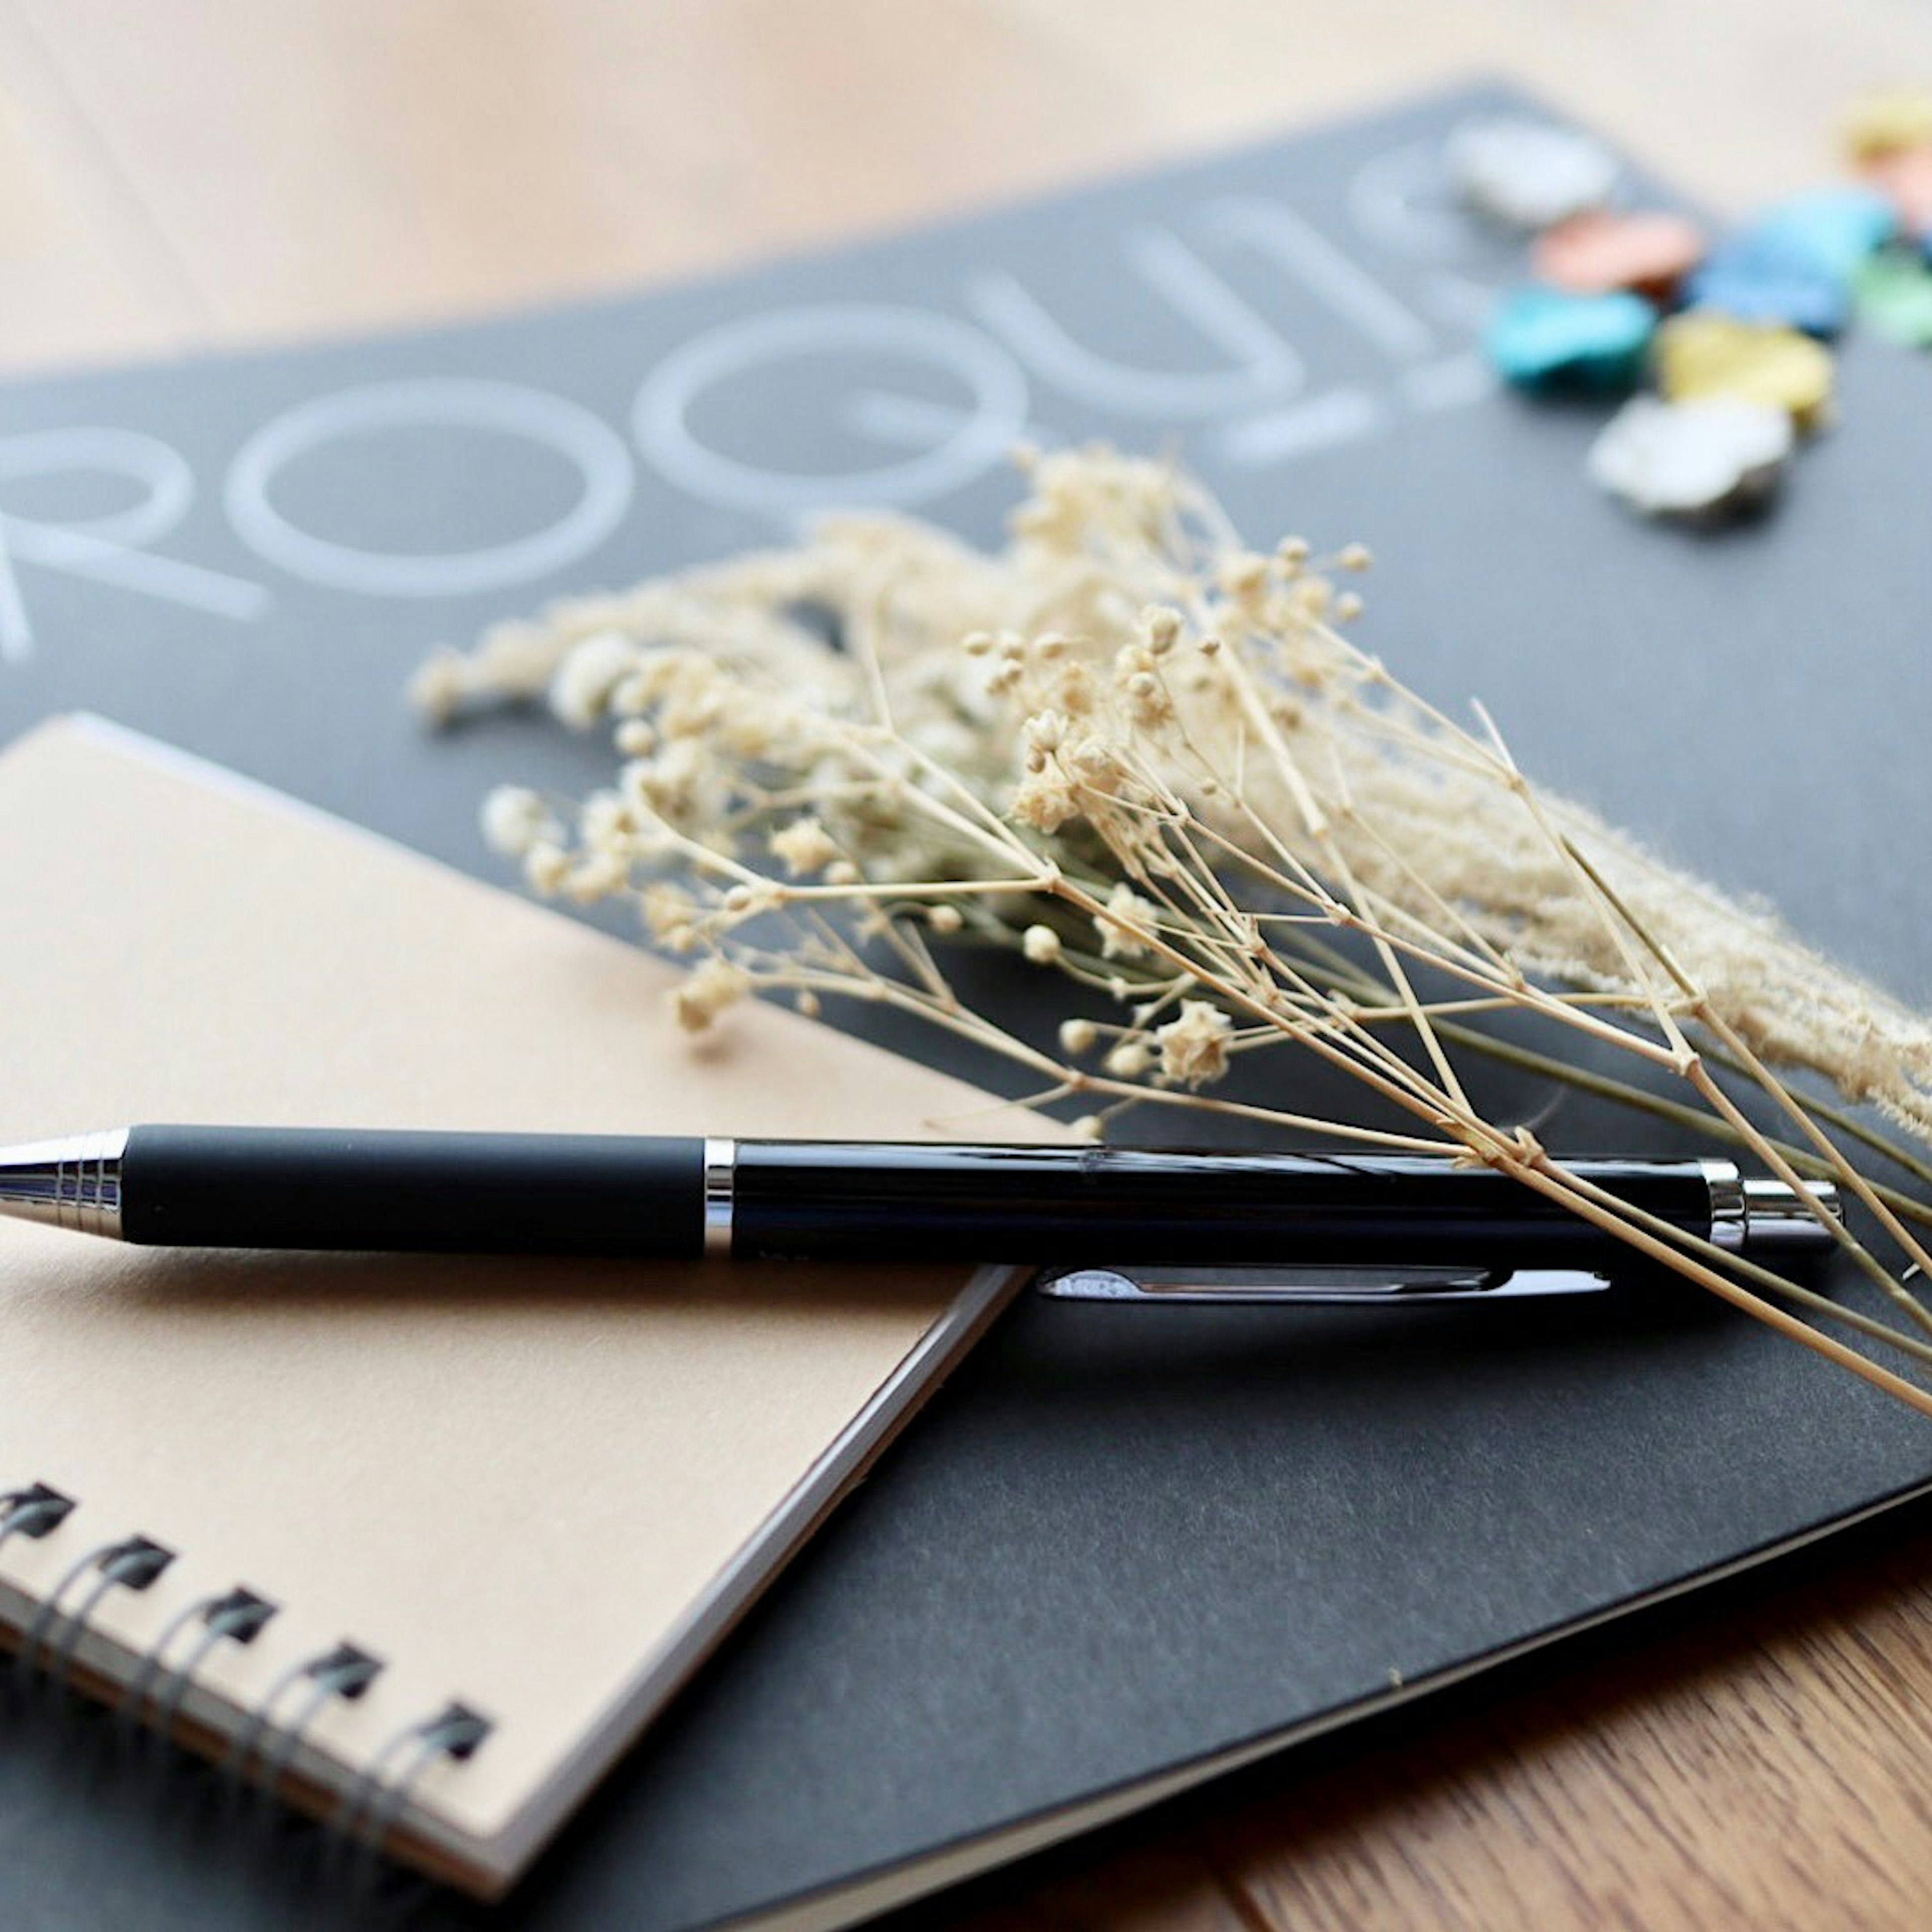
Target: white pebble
x,y
1528,173
1692,459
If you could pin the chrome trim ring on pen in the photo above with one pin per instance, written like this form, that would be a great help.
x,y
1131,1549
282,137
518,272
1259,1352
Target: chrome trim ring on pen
x,y
74,1183
720,1168
1730,1216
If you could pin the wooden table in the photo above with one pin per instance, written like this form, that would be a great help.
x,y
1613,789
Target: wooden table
x,y
213,172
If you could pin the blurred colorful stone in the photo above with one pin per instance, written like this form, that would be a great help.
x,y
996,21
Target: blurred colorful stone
x,y
1894,293
1882,124
1544,338
1905,178
1650,252
1696,460
1838,227
1703,354
1529,174
1761,278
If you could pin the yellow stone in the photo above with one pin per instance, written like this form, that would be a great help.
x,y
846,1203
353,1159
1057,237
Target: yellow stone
x,y
1705,353
1883,124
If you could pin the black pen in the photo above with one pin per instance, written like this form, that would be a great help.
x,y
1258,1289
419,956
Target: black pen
x,y
467,1193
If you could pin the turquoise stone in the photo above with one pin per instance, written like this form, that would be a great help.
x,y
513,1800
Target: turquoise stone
x,y
1543,338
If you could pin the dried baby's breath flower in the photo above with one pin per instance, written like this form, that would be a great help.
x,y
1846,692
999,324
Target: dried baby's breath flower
x,y
595,877
709,990
546,866
1194,1047
1138,751
439,687
665,907
804,846
588,676
1126,925
1045,799
515,818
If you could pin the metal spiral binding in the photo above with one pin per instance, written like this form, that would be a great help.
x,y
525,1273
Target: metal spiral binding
x,y
32,1511
128,1562
375,1800
344,1671
236,1615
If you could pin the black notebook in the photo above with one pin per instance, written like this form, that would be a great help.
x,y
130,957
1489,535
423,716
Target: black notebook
x,y
1110,1558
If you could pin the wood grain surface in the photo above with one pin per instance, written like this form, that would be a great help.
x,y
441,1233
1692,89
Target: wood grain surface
x,y
210,172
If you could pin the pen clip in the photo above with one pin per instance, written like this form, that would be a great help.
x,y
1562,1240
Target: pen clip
x,y
1314,1287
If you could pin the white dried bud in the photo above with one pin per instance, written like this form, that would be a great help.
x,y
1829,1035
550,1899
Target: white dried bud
x,y
710,989
1356,556
596,878
1089,1127
665,908
1244,574
1162,627
1079,1037
438,689
945,919
630,696
605,821
1127,924
1041,944
1128,1060
1045,731
587,677
842,872
1045,799
515,818
637,738
804,846
546,865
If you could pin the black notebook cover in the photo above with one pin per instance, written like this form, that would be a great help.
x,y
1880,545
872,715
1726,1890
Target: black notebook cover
x,y
1119,1545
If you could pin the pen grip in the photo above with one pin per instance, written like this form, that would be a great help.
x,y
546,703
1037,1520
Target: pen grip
x,y
266,1187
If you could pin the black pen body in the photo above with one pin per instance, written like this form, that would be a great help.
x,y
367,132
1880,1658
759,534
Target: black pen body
x,y
682,1197
1057,1206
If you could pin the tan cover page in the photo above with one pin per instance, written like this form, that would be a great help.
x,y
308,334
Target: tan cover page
x,y
540,1489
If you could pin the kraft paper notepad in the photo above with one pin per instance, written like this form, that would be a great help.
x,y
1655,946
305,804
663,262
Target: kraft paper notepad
x,y
527,1496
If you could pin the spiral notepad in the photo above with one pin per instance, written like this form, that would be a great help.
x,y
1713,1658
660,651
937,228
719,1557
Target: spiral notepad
x,y
419,1544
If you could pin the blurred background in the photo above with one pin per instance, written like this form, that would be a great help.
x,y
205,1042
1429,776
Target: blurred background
x,y
231,171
